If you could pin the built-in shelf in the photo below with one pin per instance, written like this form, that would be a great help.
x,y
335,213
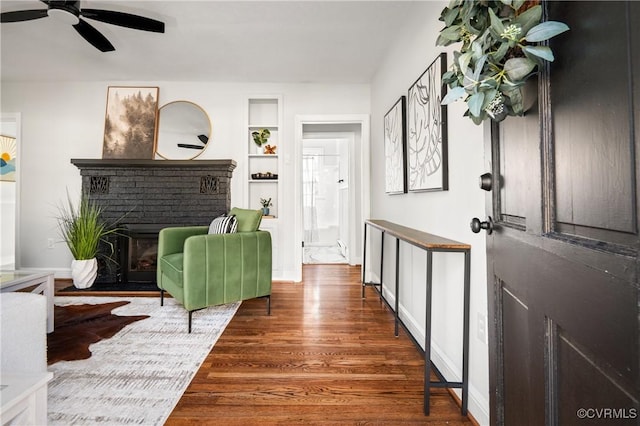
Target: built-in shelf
x,y
265,112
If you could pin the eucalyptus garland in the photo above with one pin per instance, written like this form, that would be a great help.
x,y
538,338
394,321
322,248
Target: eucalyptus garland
x,y
500,51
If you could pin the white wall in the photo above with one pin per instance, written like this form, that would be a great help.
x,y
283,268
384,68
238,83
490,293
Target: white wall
x,y
446,213
61,121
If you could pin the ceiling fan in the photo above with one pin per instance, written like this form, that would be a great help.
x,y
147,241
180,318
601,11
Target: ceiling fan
x,y
71,13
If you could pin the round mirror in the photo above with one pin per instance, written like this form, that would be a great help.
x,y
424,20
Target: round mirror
x,y
184,130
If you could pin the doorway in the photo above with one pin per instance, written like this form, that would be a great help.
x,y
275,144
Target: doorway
x,y
352,201
325,199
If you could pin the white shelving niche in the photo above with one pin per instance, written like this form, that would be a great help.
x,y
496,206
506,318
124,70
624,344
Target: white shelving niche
x,y
265,112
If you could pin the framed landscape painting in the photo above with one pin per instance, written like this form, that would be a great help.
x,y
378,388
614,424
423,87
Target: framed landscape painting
x,y
427,130
130,122
395,142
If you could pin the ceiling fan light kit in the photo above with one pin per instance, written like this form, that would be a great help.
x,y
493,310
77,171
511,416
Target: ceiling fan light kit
x,y
70,12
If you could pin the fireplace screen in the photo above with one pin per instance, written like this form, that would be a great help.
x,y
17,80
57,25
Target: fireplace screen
x,y
141,253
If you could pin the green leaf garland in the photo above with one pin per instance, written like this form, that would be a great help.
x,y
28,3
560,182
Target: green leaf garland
x,y
498,53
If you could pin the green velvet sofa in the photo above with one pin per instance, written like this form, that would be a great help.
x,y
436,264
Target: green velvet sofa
x,y
200,269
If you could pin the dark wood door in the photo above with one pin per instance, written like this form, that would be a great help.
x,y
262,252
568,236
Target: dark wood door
x,y
563,258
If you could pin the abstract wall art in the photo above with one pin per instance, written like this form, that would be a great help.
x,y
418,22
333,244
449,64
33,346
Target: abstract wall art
x,y
395,142
427,130
130,122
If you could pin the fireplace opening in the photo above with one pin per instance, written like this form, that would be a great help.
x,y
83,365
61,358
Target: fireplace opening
x,y
140,252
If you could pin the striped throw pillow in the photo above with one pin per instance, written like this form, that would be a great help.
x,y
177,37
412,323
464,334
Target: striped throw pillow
x,y
223,225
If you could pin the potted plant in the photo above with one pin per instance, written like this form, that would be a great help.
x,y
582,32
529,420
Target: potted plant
x,y
266,203
260,137
82,228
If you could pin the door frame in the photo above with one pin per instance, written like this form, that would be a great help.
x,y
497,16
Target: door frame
x,y
361,120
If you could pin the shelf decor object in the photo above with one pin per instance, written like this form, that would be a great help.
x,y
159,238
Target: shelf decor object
x,y
130,123
395,142
500,51
427,130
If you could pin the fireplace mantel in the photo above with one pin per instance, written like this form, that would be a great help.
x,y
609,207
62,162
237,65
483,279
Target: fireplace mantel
x,y
186,164
189,192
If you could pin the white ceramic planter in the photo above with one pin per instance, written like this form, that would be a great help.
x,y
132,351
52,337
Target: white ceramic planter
x,y
84,272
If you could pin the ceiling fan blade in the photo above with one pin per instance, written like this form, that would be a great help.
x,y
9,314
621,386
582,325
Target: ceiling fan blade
x,y
124,19
93,36
23,15
187,145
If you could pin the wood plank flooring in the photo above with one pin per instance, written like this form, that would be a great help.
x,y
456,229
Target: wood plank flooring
x,y
324,356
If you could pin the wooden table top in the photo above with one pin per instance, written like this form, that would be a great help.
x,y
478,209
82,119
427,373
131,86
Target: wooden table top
x,y
418,238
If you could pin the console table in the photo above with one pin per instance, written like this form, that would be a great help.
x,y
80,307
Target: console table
x,y
430,243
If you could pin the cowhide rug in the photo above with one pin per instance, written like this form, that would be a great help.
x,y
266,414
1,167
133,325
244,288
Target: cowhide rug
x,y
78,326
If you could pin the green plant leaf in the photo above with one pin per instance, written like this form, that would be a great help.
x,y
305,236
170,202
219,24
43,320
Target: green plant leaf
x,y
518,68
451,33
499,54
463,62
543,52
479,67
529,18
517,4
515,100
545,31
489,95
453,95
449,16
475,103
496,23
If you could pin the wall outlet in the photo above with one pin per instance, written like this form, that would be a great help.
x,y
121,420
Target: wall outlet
x,y
482,328
51,243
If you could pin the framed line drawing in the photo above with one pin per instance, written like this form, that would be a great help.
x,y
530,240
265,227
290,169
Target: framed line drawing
x,y
395,142
427,130
130,122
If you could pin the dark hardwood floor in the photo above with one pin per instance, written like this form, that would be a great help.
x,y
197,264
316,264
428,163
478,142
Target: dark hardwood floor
x,y
324,356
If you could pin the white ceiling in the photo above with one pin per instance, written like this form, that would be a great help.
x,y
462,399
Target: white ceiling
x,y
227,41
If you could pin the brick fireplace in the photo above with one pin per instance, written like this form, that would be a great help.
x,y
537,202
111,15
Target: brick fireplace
x,y
148,195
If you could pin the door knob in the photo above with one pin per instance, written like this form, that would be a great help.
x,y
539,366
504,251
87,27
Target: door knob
x,y
486,181
477,225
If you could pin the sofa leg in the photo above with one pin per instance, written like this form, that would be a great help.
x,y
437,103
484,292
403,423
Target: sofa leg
x,y
269,305
161,297
190,318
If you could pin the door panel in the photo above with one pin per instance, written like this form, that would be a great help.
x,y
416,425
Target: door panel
x,y
582,384
518,142
594,168
515,337
563,258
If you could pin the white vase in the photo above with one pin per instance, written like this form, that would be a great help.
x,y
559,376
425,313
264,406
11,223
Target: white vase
x,y
84,272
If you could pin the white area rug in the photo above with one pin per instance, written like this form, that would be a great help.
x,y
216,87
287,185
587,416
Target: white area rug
x,y
137,376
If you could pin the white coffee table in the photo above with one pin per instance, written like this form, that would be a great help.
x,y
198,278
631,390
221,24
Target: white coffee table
x,y
44,282
24,398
